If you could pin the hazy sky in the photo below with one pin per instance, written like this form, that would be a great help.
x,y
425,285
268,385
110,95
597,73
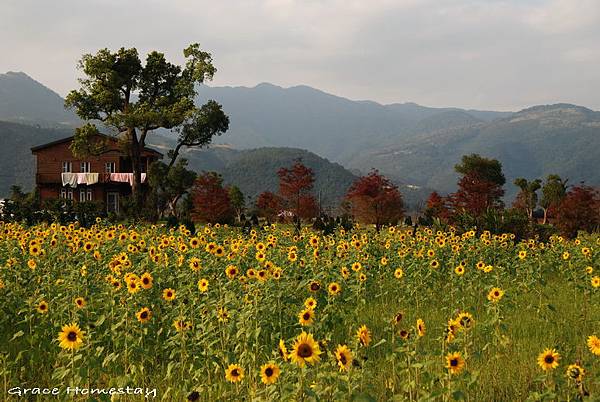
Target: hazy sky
x,y
493,54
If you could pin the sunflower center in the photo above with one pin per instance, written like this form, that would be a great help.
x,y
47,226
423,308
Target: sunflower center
x,y
305,351
235,373
269,372
454,362
144,315
343,359
306,316
72,336
549,359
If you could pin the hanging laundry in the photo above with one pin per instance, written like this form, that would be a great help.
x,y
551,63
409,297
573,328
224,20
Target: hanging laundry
x,y
125,178
69,179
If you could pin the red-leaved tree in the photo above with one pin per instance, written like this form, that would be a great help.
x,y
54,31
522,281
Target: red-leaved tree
x,y
295,186
268,205
374,199
480,187
437,207
210,200
578,210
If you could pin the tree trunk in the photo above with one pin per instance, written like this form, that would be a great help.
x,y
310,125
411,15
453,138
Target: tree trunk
x,y
545,215
136,158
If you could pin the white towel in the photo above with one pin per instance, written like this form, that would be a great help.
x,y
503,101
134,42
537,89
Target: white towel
x,y
91,178
69,179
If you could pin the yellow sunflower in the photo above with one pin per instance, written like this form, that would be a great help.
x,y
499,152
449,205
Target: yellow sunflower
x,y
146,280
465,320
42,307
71,337
398,273
310,303
305,350
269,373
306,317
283,352
364,335
182,325
495,294
575,372
203,285
334,288
593,343
79,302
169,294
454,362
596,282
231,271
234,373
421,327
548,359
144,315
343,356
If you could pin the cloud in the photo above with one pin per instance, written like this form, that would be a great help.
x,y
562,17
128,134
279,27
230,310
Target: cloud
x,y
502,54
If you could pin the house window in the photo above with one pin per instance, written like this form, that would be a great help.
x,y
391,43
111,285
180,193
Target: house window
x,y
110,167
85,167
67,167
85,195
66,193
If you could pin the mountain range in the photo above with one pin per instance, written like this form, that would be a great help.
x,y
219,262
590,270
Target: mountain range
x,y
416,146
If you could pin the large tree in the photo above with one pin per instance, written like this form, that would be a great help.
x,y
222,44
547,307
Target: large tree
x,y
480,187
295,186
268,205
374,199
237,200
210,199
578,210
527,199
553,191
132,99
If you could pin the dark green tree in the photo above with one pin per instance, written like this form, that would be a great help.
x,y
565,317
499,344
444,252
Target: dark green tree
x,y
485,169
236,197
553,192
169,184
527,199
133,99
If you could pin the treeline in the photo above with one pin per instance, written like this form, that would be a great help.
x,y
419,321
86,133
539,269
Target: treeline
x,y
370,199
540,208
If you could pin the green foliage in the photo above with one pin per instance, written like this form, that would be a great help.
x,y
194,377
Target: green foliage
x,y
168,184
486,169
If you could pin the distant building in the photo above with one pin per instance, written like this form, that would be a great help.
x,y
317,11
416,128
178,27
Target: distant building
x,y
106,177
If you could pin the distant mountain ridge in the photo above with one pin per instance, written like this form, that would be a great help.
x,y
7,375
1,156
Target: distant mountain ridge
x,y
24,100
307,118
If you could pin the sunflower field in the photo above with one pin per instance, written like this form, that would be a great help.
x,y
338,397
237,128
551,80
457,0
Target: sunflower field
x,y
276,315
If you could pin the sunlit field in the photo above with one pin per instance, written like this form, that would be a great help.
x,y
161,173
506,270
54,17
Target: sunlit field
x,y
274,315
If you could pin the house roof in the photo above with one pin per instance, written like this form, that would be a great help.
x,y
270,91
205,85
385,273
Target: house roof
x,y
69,139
